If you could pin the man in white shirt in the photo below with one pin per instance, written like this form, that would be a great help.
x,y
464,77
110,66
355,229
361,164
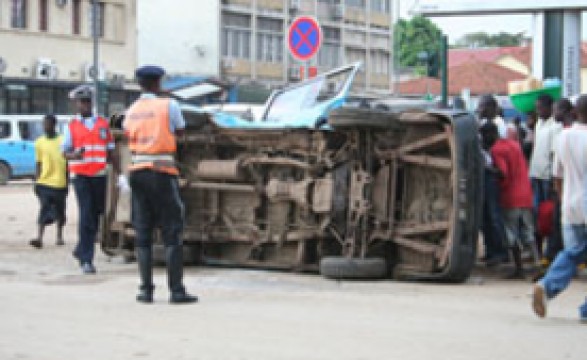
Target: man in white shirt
x,y
570,172
545,132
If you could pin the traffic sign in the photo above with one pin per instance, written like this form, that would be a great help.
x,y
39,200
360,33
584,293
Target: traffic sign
x,y
304,38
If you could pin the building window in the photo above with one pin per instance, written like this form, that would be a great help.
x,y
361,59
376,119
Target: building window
x,y
269,40
356,3
329,55
355,55
99,18
43,15
18,14
236,36
42,100
379,62
381,6
76,17
2,100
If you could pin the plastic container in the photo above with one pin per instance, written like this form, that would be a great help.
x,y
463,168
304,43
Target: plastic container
x,y
526,102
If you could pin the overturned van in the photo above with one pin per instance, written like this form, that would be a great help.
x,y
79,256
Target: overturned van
x,y
316,186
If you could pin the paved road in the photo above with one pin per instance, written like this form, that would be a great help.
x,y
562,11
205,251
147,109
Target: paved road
x,y
49,311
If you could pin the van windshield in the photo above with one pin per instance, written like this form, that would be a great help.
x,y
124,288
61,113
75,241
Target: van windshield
x,y
307,95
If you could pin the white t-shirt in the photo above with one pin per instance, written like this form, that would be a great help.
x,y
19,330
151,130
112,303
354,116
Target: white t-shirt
x,y
545,133
570,164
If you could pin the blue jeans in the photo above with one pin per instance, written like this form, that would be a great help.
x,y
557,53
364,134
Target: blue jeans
x,y
565,264
494,234
91,197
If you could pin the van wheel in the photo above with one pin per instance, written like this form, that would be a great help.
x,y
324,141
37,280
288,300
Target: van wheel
x,y
4,173
353,269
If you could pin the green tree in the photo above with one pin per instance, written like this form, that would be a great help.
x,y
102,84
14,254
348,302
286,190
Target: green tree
x,y
413,37
482,39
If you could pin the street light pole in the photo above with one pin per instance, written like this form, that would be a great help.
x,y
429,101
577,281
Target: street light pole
x,y
95,69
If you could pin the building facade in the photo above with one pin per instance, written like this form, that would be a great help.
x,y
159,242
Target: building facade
x,y
243,41
46,49
253,34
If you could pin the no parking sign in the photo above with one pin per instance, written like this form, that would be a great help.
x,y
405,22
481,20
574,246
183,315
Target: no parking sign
x,y
304,38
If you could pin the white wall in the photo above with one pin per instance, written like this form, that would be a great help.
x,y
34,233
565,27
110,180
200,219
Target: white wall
x,y
170,32
21,48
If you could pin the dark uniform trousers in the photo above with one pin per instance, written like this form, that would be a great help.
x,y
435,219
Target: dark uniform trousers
x,y
156,203
91,197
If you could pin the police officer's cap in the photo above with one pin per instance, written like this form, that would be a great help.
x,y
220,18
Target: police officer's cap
x,y
150,72
82,92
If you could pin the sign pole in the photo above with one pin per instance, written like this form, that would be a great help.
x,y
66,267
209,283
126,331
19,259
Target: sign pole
x,y
96,67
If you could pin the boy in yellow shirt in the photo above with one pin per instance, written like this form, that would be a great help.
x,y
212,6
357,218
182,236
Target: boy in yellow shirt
x,y
51,181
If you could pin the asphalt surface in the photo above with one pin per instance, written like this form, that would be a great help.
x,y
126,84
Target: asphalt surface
x,y
48,310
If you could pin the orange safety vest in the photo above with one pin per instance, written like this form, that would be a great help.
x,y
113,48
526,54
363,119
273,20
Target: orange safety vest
x,y
94,142
151,142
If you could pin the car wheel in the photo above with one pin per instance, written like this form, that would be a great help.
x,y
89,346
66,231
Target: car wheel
x,y
4,173
357,269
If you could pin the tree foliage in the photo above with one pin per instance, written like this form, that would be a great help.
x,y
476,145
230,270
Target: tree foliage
x,y
415,36
482,39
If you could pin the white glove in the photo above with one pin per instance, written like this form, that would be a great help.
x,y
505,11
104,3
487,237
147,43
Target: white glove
x,y
123,184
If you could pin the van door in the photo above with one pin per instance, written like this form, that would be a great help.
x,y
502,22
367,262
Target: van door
x,y
10,154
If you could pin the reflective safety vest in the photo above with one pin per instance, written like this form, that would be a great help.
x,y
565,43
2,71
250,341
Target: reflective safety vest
x,y
94,143
151,141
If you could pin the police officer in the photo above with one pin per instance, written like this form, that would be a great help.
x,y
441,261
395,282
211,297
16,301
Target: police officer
x,y
88,146
152,124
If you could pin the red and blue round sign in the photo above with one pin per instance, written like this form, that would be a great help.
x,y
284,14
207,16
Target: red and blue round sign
x,y
304,38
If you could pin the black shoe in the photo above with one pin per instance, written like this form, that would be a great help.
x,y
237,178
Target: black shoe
x,y
36,243
145,296
182,298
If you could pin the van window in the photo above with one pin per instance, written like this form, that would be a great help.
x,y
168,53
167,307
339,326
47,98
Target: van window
x,y
4,130
30,130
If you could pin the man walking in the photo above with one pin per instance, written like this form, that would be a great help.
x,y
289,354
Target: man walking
x,y
51,182
88,146
151,124
571,166
546,130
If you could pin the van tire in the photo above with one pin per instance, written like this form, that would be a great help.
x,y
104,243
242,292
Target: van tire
x,y
4,173
334,267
